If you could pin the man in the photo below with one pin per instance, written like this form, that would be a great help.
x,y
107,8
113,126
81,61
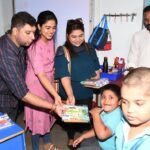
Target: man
x,y
12,70
139,53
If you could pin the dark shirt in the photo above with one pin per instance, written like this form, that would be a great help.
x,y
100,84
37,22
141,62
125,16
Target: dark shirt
x,y
12,73
83,66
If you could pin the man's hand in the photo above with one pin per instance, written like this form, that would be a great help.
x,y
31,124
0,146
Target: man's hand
x,y
59,110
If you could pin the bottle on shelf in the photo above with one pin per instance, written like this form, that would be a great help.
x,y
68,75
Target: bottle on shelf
x,y
105,65
121,64
116,61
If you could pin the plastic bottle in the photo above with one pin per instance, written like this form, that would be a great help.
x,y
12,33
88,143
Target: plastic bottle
x,y
116,61
121,64
105,65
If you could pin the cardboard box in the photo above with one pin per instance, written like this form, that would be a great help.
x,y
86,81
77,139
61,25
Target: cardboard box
x,y
76,114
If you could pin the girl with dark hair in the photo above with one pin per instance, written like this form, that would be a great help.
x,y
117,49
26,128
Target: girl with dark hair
x,y
84,65
40,80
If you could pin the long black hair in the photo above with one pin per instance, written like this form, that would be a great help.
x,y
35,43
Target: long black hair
x,y
42,18
73,24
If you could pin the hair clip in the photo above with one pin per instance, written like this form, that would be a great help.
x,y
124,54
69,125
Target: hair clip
x,y
72,21
79,19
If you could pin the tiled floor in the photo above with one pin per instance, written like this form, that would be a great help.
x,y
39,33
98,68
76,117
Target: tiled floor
x,y
59,136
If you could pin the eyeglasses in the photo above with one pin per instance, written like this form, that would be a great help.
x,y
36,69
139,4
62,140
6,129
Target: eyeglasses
x,y
72,21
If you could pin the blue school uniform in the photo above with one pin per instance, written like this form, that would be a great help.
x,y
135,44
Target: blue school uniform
x,y
141,142
111,120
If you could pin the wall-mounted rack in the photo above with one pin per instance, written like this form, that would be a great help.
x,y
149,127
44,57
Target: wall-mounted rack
x,y
132,15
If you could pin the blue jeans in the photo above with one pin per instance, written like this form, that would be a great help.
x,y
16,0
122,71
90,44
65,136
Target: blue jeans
x,y
36,140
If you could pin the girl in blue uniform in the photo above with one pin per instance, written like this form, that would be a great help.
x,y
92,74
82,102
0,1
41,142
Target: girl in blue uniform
x,y
84,65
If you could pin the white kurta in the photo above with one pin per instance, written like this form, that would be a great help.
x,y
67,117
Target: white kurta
x,y
139,54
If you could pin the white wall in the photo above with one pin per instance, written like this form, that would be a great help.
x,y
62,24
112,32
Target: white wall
x,y
1,19
6,11
121,31
64,10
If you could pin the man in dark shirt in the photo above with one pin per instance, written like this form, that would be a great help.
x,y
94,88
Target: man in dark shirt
x,y
12,70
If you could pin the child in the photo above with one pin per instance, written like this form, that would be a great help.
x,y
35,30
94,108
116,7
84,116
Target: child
x,y
105,120
133,133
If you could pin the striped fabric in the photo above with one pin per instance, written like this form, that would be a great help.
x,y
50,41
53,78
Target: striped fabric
x,y
12,73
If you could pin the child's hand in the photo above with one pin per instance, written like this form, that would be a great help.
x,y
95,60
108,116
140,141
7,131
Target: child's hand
x,y
77,141
96,111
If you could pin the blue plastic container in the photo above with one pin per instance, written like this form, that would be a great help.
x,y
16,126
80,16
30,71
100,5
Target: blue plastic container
x,y
111,76
12,138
